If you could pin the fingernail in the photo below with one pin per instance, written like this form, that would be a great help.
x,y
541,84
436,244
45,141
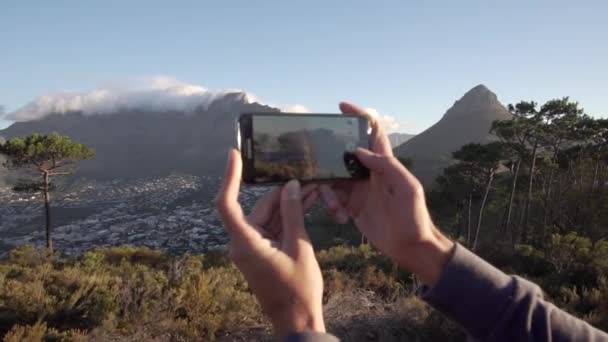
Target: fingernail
x,y
293,190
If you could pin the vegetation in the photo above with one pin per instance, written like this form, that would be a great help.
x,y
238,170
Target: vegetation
x,y
540,190
533,203
46,156
545,175
127,293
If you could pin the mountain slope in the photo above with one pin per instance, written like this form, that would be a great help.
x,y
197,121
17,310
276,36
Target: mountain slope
x,y
397,139
468,120
133,144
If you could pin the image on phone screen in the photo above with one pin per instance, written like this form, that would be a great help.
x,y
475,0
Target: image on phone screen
x,y
305,147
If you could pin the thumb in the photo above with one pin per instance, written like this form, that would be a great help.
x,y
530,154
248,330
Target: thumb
x,y
292,216
377,163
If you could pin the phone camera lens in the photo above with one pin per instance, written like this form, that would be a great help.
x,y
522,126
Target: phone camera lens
x,y
354,167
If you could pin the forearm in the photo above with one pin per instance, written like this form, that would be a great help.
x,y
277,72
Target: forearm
x,y
491,305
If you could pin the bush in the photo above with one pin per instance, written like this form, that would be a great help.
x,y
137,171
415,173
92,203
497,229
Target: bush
x,y
120,290
28,256
214,300
346,269
133,255
39,332
140,294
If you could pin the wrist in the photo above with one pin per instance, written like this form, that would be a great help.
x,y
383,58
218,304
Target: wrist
x,y
297,322
429,257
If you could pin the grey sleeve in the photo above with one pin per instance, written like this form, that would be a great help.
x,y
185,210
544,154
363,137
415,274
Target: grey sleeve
x,y
493,306
311,337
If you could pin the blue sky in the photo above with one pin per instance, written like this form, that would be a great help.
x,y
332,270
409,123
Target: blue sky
x,y
409,59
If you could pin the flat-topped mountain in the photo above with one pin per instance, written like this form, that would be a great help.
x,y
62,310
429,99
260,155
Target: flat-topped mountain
x,y
136,143
468,120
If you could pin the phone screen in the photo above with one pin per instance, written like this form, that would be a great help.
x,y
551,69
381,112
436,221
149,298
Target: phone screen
x,y
306,147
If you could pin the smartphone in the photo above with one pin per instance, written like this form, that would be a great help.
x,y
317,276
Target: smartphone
x,y
278,147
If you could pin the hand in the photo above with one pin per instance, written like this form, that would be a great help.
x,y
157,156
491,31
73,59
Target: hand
x,y
273,250
389,208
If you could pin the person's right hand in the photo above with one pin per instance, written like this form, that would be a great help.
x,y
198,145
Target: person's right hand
x,y
389,208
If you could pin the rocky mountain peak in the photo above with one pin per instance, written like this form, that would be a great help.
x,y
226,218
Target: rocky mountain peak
x,y
467,121
479,98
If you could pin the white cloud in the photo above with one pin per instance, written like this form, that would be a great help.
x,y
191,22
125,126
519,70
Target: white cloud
x,y
158,93
389,122
295,108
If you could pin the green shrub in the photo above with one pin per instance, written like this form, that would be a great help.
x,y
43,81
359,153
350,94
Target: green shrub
x,y
28,256
529,261
348,268
133,255
214,300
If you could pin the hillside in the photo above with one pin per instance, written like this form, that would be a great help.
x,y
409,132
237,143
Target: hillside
x,y
397,139
142,143
468,120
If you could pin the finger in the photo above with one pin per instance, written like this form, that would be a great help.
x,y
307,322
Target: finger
x,y
292,215
310,201
227,203
342,194
269,217
333,204
390,170
274,227
379,142
331,201
308,189
376,163
265,206
349,108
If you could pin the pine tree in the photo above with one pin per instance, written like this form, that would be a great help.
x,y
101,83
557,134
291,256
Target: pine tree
x,y
47,156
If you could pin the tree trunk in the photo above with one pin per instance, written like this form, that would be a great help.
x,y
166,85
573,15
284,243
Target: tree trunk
x,y
595,174
459,219
469,219
601,179
483,204
577,224
548,214
529,198
589,222
512,196
47,207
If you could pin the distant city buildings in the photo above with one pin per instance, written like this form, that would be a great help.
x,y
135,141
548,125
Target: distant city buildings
x,y
173,213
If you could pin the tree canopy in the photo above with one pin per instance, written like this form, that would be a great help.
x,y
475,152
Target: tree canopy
x,y
48,156
52,153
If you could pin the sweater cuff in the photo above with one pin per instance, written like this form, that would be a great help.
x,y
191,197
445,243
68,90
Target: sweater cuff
x,y
471,292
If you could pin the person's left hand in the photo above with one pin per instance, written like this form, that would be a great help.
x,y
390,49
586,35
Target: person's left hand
x,y
273,250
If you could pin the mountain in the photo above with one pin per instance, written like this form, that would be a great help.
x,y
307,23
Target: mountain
x,y
3,171
139,143
467,121
397,139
